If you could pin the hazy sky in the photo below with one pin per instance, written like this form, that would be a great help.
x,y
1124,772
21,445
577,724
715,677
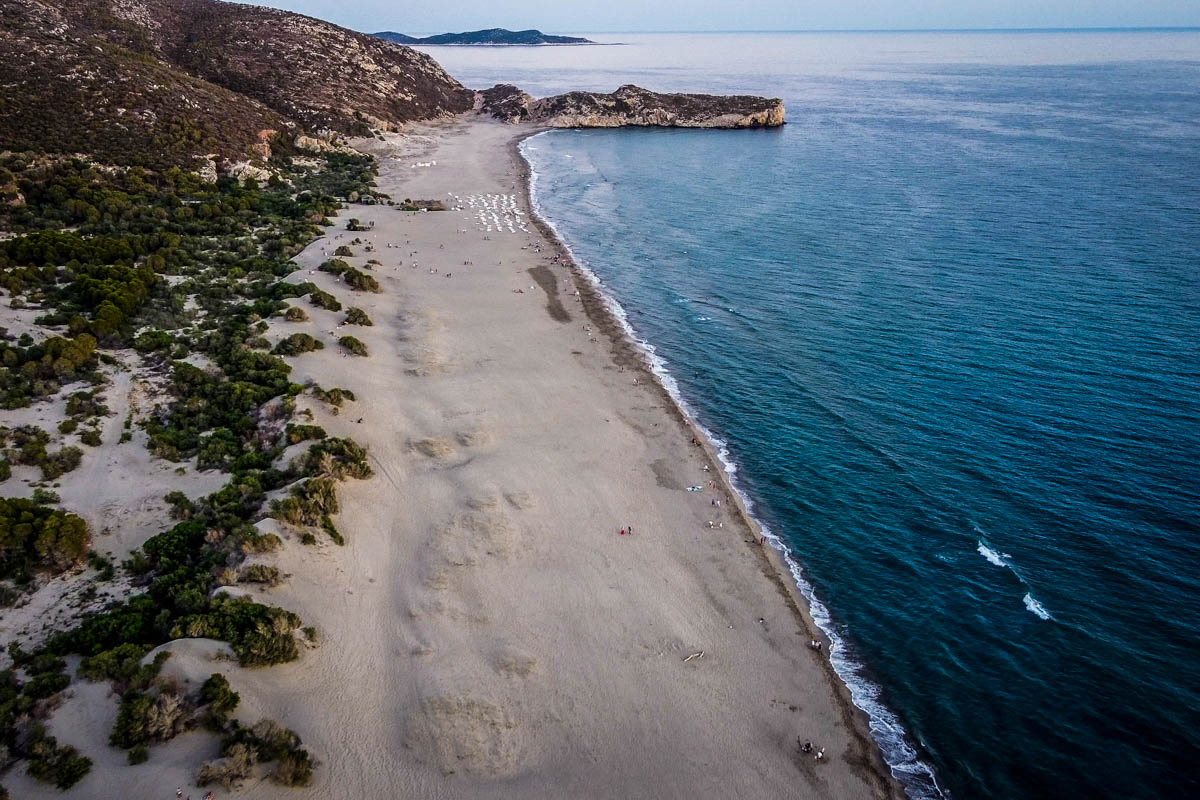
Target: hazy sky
x,y
676,15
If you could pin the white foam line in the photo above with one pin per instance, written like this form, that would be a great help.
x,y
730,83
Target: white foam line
x,y
914,775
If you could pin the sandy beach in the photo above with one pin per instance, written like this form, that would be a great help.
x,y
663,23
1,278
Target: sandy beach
x,y
488,631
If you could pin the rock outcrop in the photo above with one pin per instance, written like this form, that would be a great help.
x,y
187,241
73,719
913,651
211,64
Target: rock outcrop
x,y
631,106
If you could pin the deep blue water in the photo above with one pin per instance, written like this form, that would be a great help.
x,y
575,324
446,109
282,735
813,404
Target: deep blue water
x,y
947,322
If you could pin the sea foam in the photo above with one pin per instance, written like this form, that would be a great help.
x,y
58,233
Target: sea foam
x,y
1034,606
994,557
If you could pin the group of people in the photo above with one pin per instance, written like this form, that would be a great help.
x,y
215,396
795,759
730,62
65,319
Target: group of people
x,y
806,747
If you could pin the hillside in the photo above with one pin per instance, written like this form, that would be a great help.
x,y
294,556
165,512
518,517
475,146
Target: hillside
x,y
498,36
158,81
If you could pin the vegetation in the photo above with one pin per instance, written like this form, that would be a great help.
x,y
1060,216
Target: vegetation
x,y
36,537
184,271
323,299
356,316
360,281
26,445
335,397
302,433
267,741
23,704
40,370
353,345
296,344
334,266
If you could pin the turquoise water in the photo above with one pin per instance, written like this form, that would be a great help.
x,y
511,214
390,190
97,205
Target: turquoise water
x,y
947,325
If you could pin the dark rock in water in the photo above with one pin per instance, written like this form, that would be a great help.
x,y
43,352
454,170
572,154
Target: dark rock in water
x,y
485,37
631,106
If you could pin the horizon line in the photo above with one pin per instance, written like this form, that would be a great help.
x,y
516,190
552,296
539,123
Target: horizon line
x,y
1065,29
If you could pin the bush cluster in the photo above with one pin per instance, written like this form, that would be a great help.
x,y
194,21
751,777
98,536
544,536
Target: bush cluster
x,y
36,537
26,445
296,344
353,345
356,316
265,742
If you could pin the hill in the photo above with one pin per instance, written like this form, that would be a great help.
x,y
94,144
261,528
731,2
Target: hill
x,y
500,36
158,81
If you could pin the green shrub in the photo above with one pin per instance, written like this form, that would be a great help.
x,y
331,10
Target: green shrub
x,y
68,426
308,503
296,344
296,314
353,345
44,497
30,443
344,252
122,664
261,573
334,397
323,299
138,754
331,529
51,763
236,763
90,437
85,404
356,316
360,281
34,536
334,266
217,693
336,458
181,506
302,433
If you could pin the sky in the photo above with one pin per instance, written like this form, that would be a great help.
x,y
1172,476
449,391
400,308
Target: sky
x,y
565,16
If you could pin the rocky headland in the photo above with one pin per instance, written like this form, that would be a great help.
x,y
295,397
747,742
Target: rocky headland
x,y
631,106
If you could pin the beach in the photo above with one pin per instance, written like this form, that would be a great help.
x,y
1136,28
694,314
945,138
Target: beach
x,y
539,595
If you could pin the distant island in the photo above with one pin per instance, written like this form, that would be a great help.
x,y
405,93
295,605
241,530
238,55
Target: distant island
x,y
498,36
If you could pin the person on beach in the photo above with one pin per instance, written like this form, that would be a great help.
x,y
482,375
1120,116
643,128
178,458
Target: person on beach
x,y
806,747
622,531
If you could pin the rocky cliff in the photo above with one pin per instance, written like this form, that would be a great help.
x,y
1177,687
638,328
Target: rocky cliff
x,y
159,81
631,106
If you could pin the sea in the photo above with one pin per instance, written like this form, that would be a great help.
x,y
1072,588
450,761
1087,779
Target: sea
x,y
945,328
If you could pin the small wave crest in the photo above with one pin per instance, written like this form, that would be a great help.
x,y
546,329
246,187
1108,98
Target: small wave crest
x,y
1035,607
906,765
993,556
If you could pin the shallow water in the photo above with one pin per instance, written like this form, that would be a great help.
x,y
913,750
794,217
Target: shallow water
x,y
947,322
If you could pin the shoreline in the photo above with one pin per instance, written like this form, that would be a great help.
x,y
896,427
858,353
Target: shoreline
x,y
774,552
